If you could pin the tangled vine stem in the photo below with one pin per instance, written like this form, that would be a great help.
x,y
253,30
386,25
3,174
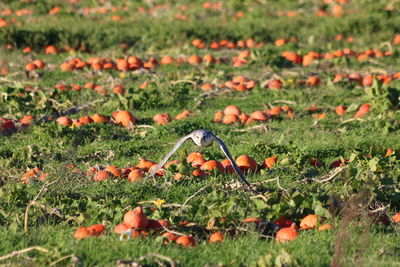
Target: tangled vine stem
x,y
33,202
18,252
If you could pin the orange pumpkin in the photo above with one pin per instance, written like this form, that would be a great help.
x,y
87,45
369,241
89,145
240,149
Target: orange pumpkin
x,y
246,163
216,237
100,176
287,234
120,228
310,221
125,118
186,241
136,218
232,110
211,165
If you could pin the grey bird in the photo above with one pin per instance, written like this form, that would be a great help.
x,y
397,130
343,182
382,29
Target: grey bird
x,y
203,138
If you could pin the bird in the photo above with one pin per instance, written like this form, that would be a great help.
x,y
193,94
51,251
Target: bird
x,y
203,138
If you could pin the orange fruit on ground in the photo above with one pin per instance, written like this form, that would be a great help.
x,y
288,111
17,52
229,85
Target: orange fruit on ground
x,y
136,174
120,228
125,118
170,163
325,227
252,220
218,116
159,173
208,59
162,119
287,234
97,118
243,117
97,229
119,89
275,85
169,236
207,86
122,64
82,233
85,119
211,165
194,60
228,168
269,162
30,67
198,173
184,114
279,42
186,241
27,119
113,170
100,176
389,152
396,218
39,63
145,164
258,116
246,163
362,111
275,111
165,60
198,162
240,87
193,156
216,237
136,218
310,221
232,110
230,119
51,49
313,81
367,80
64,121
178,176
340,110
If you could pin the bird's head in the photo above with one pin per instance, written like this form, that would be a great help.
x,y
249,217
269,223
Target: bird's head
x,y
202,138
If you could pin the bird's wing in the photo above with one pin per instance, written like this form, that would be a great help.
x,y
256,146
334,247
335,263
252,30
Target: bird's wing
x,y
165,159
239,172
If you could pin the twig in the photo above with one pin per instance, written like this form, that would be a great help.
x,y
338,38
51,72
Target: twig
x,y
257,127
172,231
183,81
62,258
195,194
263,197
18,252
175,205
289,102
279,185
144,126
352,119
331,175
44,187
264,182
49,210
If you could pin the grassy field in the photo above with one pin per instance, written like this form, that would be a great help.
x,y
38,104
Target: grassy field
x,y
318,88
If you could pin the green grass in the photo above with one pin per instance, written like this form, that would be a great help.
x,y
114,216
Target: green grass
x,y
82,202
